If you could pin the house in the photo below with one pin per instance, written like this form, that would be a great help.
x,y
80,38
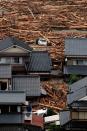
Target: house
x,y
23,59
74,117
75,56
20,70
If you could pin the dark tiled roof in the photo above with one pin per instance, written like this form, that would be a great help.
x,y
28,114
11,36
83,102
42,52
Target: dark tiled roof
x,y
11,41
77,95
75,69
77,85
5,71
39,62
29,84
76,46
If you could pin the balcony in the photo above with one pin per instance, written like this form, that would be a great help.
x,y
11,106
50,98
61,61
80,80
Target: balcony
x,y
11,118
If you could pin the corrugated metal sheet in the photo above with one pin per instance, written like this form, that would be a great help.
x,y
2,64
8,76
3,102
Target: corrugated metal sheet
x,y
5,71
77,85
64,117
82,92
29,84
52,118
12,97
76,46
37,121
75,69
40,62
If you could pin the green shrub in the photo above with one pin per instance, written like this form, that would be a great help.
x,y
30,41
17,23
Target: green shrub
x,y
54,127
73,78
50,112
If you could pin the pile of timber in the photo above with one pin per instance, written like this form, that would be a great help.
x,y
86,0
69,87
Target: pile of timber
x,y
48,19
56,95
52,20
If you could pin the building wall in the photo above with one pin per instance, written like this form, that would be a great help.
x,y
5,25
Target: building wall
x,y
79,115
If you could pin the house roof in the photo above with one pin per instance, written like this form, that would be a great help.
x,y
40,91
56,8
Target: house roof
x,y
5,71
77,95
29,84
76,69
39,62
76,46
11,41
12,97
77,85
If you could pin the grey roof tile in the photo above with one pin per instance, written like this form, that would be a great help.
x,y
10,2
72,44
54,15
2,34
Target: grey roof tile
x,y
11,41
77,85
76,46
40,62
75,96
29,84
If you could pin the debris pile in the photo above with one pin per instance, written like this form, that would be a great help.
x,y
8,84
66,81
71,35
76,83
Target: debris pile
x,y
51,20
56,95
48,19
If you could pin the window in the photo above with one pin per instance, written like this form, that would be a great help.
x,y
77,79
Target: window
x,y
13,109
85,62
3,85
0,58
16,59
4,109
80,62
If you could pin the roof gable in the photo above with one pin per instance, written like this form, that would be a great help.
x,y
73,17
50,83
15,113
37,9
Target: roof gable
x,y
15,49
11,41
76,46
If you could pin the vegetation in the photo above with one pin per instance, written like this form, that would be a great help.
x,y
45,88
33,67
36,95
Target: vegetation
x,y
73,78
54,127
50,112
